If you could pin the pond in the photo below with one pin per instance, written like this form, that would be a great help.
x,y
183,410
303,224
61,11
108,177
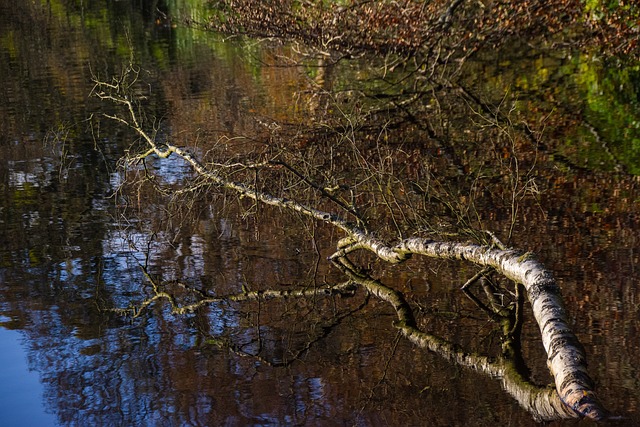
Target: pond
x,y
74,248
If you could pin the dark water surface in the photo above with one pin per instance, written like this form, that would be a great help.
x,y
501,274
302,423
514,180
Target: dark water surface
x,y
65,255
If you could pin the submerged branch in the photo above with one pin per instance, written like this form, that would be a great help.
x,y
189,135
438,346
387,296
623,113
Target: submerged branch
x,y
565,356
344,289
544,403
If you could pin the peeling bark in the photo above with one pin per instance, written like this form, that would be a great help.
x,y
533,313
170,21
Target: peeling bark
x,y
566,358
543,403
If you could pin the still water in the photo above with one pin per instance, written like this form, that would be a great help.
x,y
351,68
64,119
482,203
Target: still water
x,y
66,257
22,405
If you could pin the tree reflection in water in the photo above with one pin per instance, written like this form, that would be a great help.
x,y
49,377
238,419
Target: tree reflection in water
x,y
65,258
573,397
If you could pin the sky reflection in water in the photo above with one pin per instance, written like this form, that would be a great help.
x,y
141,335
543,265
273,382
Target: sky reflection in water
x,y
64,257
21,403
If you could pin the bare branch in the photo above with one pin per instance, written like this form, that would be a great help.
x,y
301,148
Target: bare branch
x,y
566,358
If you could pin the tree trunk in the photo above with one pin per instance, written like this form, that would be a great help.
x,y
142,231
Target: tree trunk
x,y
543,403
565,355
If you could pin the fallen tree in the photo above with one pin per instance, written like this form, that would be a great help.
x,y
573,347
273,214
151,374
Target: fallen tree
x,y
543,403
573,395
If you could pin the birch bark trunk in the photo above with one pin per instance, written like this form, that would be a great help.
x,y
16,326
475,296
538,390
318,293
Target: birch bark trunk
x,y
566,358
543,403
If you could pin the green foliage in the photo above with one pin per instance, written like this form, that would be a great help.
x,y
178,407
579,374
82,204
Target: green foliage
x,y
600,9
610,136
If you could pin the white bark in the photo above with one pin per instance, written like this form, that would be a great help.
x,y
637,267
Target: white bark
x,y
542,402
565,356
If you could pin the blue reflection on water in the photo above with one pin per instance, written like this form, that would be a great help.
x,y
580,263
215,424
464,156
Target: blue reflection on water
x,y
22,404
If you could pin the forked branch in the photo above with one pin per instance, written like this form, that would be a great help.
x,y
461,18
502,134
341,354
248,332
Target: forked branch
x,y
566,359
